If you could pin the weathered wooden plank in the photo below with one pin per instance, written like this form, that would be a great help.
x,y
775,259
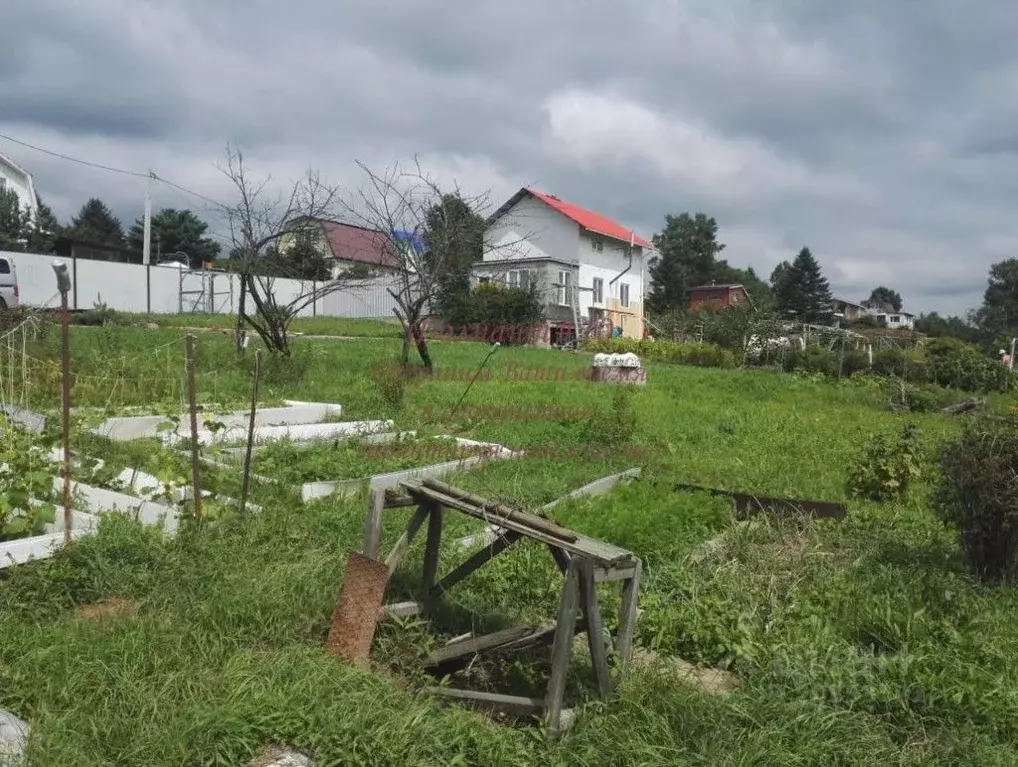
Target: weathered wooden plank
x,y
472,564
500,510
373,525
595,628
397,609
627,618
511,704
562,646
604,553
402,546
747,503
432,552
476,645
602,575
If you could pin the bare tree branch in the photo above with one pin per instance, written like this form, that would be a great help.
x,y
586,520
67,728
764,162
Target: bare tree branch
x,y
258,226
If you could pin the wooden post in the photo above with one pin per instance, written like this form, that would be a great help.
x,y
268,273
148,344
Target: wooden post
x,y
627,618
65,407
562,648
373,524
250,432
192,397
595,628
432,552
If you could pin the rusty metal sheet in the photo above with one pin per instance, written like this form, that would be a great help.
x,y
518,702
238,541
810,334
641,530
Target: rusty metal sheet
x,y
356,615
747,504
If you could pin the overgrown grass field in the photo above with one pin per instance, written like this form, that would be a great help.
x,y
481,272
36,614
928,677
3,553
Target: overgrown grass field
x,y
862,641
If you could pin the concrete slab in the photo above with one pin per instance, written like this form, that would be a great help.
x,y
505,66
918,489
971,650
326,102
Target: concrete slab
x,y
294,413
37,547
295,432
28,419
347,487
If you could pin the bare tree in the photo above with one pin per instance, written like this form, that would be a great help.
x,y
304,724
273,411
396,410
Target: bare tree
x,y
399,203
258,224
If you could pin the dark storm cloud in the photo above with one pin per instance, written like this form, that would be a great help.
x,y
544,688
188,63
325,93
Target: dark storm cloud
x,y
879,134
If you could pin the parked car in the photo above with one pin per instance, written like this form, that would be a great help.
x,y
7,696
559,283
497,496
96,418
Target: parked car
x,y
9,296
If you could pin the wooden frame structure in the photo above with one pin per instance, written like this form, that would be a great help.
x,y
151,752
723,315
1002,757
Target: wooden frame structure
x,y
583,561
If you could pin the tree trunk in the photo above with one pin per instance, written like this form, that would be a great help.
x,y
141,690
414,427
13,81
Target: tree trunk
x,y
239,329
422,344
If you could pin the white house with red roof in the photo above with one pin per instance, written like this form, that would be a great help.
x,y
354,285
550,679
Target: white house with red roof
x,y
587,266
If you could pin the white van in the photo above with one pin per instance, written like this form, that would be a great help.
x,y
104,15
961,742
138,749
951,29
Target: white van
x,y
9,295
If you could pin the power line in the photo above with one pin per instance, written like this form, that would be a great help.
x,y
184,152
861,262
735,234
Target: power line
x,y
134,173
74,159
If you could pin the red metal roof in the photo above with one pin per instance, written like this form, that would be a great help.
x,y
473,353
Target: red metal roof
x,y
595,222
355,243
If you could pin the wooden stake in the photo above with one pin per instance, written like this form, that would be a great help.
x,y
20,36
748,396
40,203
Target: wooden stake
x,y
373,524
65,406
250,432
192,397
627,619
562,648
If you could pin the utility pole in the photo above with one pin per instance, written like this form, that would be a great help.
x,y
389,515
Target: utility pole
x,y
147,247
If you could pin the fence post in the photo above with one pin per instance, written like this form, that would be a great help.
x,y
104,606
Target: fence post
x,y
250,432
192,397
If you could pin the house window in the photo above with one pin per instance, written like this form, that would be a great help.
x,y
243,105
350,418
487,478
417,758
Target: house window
x,y
598,290
596,243
895,319
565,282
483,280
519,278
624,295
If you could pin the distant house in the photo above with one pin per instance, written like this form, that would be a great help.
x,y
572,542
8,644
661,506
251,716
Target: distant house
x,y
849,311
718,296
357,249
18,180
897,320
588,268
75,247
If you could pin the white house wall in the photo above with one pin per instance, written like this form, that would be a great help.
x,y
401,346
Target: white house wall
x,y
530,229
609,264
20,183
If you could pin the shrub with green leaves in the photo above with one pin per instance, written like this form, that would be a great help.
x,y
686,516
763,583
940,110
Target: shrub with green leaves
x,y
978,496
959,365
26,475
887,469
701,355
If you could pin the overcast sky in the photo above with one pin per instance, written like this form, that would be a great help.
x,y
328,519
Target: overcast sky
x,y
883,134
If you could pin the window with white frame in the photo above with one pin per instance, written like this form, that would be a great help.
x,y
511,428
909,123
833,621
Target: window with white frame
x,y
598,290
624,295
519,278
483,280
565,285
596,243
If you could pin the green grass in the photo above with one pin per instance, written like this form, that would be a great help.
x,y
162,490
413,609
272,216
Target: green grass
x,y
329,326
858,642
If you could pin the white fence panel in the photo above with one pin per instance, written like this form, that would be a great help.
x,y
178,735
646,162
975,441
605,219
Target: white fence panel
x,y
164,290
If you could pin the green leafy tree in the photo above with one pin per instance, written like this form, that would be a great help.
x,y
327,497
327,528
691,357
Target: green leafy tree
x,y
936,326
759,291
884,296
95,222
454,239
15,222
802,291
176,231
688,248
302,260
44,230
998,316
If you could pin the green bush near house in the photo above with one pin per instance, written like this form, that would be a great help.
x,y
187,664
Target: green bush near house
x,y
701,355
